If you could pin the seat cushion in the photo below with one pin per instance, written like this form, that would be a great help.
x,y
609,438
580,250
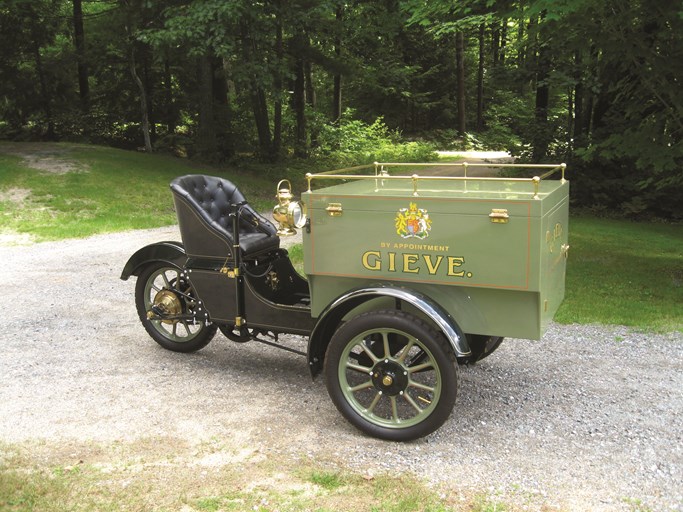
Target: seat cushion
x,y
256,243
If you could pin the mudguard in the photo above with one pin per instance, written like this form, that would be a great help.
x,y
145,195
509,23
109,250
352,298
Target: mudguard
x,y
169,252
332,315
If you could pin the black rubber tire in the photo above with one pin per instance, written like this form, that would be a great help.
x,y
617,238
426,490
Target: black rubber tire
x,y
428,357
481,347
191,336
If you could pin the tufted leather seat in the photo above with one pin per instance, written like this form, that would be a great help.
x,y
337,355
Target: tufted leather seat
x,y
203,205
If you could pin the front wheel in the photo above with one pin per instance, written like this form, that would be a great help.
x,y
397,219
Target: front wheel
x,y
391,375
162,287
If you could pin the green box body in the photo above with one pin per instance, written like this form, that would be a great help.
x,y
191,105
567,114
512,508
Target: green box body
x,y
491,252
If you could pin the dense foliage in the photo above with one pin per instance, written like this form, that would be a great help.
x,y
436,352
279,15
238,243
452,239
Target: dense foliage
x,y
596,84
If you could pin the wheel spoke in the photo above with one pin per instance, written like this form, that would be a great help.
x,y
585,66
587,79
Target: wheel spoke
x,y
359,387
385,342
419,385
375,401
165,278
405,350
369,352
412,402
358,368
420,367
394,410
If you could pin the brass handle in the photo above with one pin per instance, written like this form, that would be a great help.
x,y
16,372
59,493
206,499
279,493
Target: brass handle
x,y
499,216
334,209
564,250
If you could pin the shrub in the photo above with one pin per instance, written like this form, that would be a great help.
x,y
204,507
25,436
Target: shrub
x,y
353,142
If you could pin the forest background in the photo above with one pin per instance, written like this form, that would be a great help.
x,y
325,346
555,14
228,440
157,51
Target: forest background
x,y
594,84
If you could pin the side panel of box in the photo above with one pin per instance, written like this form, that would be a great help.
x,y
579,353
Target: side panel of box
x,y
554,255
423,240
485,311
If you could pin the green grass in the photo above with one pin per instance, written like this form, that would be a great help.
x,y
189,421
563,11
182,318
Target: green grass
x,y
624,273
114,190
327,480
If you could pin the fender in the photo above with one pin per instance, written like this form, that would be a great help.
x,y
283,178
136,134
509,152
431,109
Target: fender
x,y
170,252
334,313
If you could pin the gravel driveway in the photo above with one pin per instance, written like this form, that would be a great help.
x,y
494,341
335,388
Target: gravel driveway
x,y
587,419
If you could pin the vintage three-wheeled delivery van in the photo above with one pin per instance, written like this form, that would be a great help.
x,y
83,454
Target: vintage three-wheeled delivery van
x,y
408,273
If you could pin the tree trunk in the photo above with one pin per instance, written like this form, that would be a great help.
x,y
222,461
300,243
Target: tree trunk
x,y
337,93
260,107
149,90
589,98
495,43
578,127
578,124
589,105
44,94
527,49
277,81
299,105
520,47
207,145
542,137
143,100
310,89
480,80
222,111
310,98
337,98
503,41
570,117
460,63
258,101
79,41
169,109
136,78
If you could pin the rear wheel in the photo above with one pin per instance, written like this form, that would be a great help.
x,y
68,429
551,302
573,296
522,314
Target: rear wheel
x,y
391,375
163,291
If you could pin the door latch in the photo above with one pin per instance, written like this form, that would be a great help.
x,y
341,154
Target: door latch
x,y
334,209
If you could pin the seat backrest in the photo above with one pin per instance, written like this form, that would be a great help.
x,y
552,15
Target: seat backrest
x,y
203,206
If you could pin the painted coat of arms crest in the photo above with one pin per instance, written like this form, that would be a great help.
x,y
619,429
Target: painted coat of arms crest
x,y
413,222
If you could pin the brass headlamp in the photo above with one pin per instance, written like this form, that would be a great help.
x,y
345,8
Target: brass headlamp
x,y
289,215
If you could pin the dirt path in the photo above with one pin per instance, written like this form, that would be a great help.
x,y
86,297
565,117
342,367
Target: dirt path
x,y
44,156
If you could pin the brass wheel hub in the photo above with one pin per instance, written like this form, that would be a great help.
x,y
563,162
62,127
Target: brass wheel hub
x,y
168,304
